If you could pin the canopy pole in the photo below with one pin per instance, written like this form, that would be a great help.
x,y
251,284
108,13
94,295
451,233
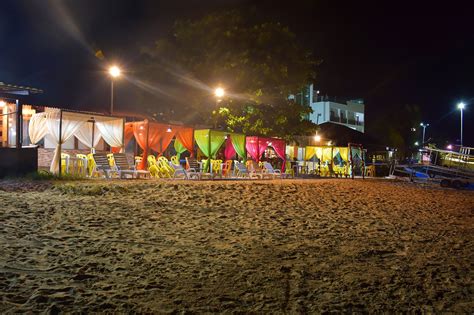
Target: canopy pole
x,y
209,151
123,135
93,130
331,171
258,149
352,161
19,123
145,157
60,139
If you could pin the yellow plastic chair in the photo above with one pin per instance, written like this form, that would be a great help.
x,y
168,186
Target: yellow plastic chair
x,y
110,156
216,167
165,168
175,160
324,170
288,169
82,164
64,163
153,167
90,164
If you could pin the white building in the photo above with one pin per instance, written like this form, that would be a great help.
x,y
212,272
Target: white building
x,y
349,113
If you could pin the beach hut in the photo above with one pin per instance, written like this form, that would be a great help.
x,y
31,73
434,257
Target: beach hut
x,y
210,141
154,136
256,146
60,125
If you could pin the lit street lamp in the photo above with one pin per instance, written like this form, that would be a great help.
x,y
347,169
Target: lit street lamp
x,y
424,130
461,107
114,72
416,143
219,93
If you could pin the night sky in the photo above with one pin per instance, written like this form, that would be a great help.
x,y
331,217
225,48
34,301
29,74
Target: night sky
x,y
389,55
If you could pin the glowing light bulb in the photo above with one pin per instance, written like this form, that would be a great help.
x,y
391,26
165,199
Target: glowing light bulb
x,y
219,92
114,71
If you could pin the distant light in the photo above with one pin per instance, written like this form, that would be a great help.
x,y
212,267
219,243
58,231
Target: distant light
x,y
329,143
449,147
2,104
317,138
421,124
416,143
219,92
424,125
413,129
169,129
317,92
461,105
114,71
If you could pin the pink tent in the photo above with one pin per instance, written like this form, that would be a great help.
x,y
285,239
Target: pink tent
x,y
256,146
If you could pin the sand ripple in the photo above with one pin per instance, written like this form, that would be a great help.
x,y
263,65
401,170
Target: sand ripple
x,y
272,246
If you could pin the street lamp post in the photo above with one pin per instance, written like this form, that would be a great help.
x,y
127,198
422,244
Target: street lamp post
x,y
424,130
461,107
219,93
114,72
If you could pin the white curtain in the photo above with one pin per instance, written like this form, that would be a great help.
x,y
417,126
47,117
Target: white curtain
x,y
37,127
68,128
84,134
112,131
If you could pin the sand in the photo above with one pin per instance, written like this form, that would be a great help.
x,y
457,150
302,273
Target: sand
x,y
291,246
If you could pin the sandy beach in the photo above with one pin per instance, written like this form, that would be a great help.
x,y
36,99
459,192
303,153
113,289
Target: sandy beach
x,y
291,246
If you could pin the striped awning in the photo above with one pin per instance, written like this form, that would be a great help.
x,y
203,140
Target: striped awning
x,y
18,89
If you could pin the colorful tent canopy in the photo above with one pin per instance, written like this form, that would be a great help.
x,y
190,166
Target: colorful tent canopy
x,y
209,142
235,143
157,137
89,128
256,146
326,153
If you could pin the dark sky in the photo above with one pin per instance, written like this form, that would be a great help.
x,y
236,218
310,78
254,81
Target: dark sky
x,y
389,54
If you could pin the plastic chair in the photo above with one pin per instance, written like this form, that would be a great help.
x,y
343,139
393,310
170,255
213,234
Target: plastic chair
x,y
82,164
90,164
175,160
110,157
216,166
153,166
165,169
65,163
138,160
227,168
288,169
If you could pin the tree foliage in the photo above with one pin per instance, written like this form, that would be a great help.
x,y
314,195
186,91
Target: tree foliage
x,y
258,63
396,129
